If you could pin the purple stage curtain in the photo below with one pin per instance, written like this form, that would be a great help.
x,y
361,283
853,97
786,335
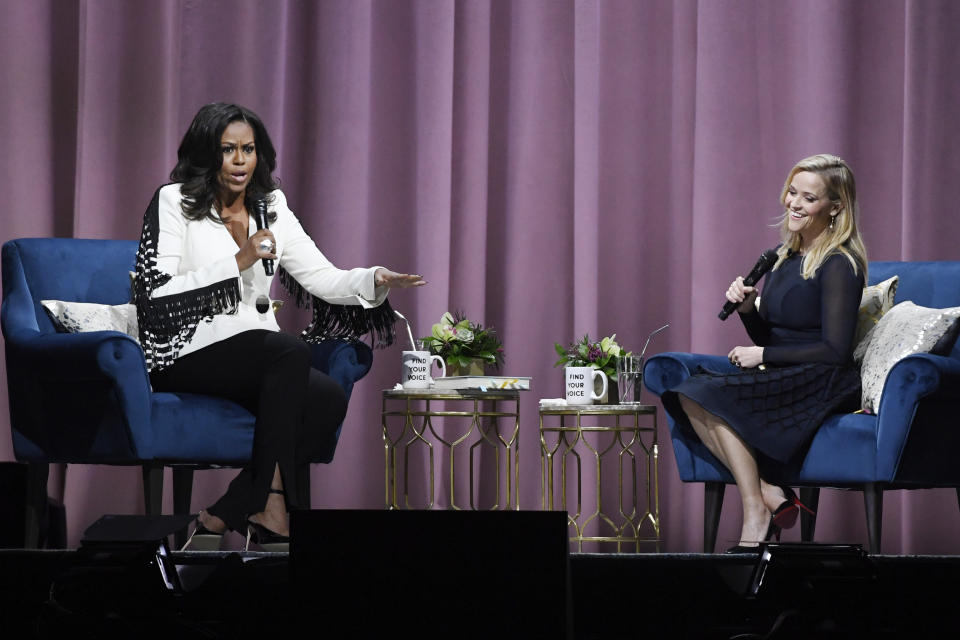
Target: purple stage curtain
x,y
552,167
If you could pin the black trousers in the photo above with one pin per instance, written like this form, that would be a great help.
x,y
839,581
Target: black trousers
x,y
298,410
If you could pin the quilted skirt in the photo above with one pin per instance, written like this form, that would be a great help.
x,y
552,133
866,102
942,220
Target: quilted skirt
x,y
777,410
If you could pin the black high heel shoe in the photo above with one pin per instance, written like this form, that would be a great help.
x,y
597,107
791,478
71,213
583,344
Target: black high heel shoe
x,y
786,514
265,538
773,531
744,549
202,539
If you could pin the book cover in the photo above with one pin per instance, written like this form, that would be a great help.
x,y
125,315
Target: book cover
x,y
482,382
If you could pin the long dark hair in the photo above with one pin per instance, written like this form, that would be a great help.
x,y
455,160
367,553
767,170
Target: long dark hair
x,y
199,160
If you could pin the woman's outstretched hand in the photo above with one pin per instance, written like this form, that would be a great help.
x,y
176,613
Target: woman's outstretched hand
x,y
386,278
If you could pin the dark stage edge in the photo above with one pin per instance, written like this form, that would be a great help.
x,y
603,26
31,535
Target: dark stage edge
x,y
70,594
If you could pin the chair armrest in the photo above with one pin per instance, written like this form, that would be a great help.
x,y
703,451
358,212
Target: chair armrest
x,y
666,370
93,353
78,385
918,377
346,361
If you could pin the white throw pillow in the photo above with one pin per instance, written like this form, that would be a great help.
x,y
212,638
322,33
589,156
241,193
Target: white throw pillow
x,y
904,330
875,301
81,317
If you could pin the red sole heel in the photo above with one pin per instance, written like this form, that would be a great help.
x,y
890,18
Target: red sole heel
x,y
786,514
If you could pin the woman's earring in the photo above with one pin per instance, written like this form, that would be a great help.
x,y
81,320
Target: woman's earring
x,y
833,222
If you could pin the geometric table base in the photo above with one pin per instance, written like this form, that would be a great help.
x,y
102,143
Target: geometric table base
x,y
599,464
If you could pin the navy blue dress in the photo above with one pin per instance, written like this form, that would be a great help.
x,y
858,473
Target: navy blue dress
x,y
806,328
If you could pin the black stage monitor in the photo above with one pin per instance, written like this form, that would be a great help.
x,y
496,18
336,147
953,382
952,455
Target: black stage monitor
x,y
431,573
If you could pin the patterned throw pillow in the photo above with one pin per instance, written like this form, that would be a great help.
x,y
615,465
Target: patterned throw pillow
x,y
876,300
904,330
80,317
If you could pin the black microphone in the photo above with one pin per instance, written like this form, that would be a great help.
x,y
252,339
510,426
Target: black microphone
x,y
260,213
764,264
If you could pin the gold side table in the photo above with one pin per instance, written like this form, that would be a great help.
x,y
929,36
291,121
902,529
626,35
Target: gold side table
x,y
597,443
482,433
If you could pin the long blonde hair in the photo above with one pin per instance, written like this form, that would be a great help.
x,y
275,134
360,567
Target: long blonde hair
x,y
843,236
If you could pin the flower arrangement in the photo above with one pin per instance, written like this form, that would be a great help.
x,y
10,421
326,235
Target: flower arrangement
x,y
457,340
599,354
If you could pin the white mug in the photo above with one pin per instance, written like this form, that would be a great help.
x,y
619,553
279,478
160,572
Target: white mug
x,y
416,369
579,384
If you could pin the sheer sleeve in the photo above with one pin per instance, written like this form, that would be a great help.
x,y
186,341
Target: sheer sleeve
x,y
757,328
840,293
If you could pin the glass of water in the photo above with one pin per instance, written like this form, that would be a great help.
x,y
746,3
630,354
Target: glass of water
x,y
629,377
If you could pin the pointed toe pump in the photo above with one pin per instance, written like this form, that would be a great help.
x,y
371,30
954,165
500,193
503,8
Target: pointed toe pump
x,y
786,514
266,539
743,549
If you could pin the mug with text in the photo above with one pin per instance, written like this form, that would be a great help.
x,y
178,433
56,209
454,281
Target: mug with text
x,y
579,384
416,369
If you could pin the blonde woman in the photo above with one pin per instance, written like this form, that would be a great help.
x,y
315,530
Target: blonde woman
x,y
800,368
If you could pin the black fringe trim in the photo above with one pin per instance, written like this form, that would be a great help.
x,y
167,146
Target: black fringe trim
x,y
167,323
301,297
347,322
169,316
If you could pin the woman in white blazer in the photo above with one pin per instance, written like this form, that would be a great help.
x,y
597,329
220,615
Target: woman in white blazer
x,y
202,286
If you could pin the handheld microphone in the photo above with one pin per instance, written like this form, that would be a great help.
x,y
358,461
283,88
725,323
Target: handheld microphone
x,y
260,214
764,264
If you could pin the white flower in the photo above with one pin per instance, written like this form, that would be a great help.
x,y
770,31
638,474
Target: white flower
x,y
610,346
463,335
443,331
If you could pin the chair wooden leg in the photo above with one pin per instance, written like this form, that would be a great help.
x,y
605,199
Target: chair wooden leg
x,y
182,494
37,474
873,500
712,505
810,496
153,489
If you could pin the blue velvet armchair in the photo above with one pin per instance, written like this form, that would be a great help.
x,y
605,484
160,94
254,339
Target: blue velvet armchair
x,y
85,398
911,442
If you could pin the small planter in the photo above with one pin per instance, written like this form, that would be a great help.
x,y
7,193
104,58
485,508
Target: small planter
x,y
613,393
477,367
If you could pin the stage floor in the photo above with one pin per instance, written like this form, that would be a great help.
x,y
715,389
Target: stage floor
x,y
805,593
